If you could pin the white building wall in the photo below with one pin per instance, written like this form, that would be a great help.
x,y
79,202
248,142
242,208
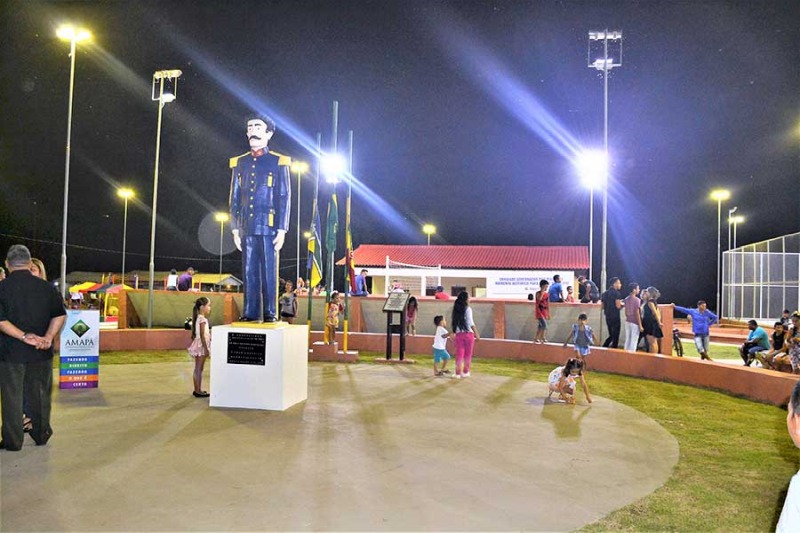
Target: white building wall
x,y
501,284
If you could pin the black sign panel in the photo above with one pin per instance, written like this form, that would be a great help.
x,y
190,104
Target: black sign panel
x,y
247,348
396,302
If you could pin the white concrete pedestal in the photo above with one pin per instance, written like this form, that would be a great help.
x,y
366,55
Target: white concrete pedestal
x,y
259,366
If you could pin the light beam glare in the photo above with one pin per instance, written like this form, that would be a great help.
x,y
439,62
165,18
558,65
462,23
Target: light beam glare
x,y
252,100
497,81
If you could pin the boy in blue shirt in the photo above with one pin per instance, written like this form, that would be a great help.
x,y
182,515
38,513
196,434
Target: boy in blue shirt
x,y
757,341
701,318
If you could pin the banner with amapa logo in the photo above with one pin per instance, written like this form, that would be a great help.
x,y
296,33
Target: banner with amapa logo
x,y
80,350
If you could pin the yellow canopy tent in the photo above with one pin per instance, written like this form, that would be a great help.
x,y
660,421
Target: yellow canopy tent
x,y
82,286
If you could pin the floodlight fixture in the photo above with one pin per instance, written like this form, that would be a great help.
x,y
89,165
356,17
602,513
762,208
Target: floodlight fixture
x,y
429,229
605,50
592,168
165,85
71,33
333,166
720,195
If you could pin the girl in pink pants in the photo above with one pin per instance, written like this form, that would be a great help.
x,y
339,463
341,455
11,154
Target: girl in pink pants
x,y
466,334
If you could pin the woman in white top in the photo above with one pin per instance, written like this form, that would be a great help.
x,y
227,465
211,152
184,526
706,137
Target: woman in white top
x,y
466,334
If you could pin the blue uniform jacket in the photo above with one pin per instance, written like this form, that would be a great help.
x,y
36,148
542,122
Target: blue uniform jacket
x,y
260,193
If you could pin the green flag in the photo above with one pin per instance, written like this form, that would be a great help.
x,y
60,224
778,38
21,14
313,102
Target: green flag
x,y
332,224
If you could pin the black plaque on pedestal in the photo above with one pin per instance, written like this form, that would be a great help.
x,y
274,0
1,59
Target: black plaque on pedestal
x,y
247,349
396,303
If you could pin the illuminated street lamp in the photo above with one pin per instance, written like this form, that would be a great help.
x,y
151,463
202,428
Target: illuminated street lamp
x,y
333,166
74,36
593,169
604,53
719,195
429,229
164,91
125,194
735,221
300,168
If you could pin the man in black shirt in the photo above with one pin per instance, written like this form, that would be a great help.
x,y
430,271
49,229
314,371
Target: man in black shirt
x,y
612,303
31,315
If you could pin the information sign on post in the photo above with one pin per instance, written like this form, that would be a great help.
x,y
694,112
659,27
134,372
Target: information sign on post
x,y
79,355
396,302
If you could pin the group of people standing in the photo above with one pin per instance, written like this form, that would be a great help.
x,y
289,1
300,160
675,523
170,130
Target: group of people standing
x,y
642,316
32,314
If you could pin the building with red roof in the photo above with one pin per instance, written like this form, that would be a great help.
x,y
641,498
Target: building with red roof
x,y
483,271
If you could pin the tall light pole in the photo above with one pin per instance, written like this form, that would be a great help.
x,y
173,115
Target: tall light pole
x,y
719,195
605,63
429,229
300,168
735,221
222,218
592,167
125,194
74,36
163,95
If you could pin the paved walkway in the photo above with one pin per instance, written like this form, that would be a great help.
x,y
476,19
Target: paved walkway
x,y
374,448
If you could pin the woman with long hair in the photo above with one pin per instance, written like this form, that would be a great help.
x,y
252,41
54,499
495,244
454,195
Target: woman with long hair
x,y
651,320
37,268
466,334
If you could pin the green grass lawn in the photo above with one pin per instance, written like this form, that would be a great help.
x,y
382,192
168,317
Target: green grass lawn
x,y
736,457
715,350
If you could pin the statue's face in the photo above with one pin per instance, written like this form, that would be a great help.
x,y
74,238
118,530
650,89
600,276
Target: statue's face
x,y
257,134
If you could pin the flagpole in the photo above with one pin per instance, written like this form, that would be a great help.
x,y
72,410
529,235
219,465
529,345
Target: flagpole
x,y
348,238
331,253
310,263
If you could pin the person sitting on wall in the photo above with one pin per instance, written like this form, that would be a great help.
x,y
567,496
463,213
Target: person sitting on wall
x,y
440,294
172,280
792,344
757,341
361,284
185,280
774,358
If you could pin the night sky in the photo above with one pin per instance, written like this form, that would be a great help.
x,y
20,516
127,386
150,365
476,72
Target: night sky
x,y
465,115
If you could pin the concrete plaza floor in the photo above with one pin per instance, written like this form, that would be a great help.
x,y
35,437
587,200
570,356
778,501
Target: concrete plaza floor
x,y
373,448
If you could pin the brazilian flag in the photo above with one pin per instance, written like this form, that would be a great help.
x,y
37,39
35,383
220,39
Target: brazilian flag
x,y
315,252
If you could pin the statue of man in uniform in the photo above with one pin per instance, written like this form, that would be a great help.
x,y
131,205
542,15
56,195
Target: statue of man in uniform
x,y
260,207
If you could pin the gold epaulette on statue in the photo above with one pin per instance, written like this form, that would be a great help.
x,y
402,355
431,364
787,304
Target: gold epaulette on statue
x,y
283,160
234,160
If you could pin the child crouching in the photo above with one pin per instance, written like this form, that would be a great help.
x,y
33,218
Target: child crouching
x,y
563,378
